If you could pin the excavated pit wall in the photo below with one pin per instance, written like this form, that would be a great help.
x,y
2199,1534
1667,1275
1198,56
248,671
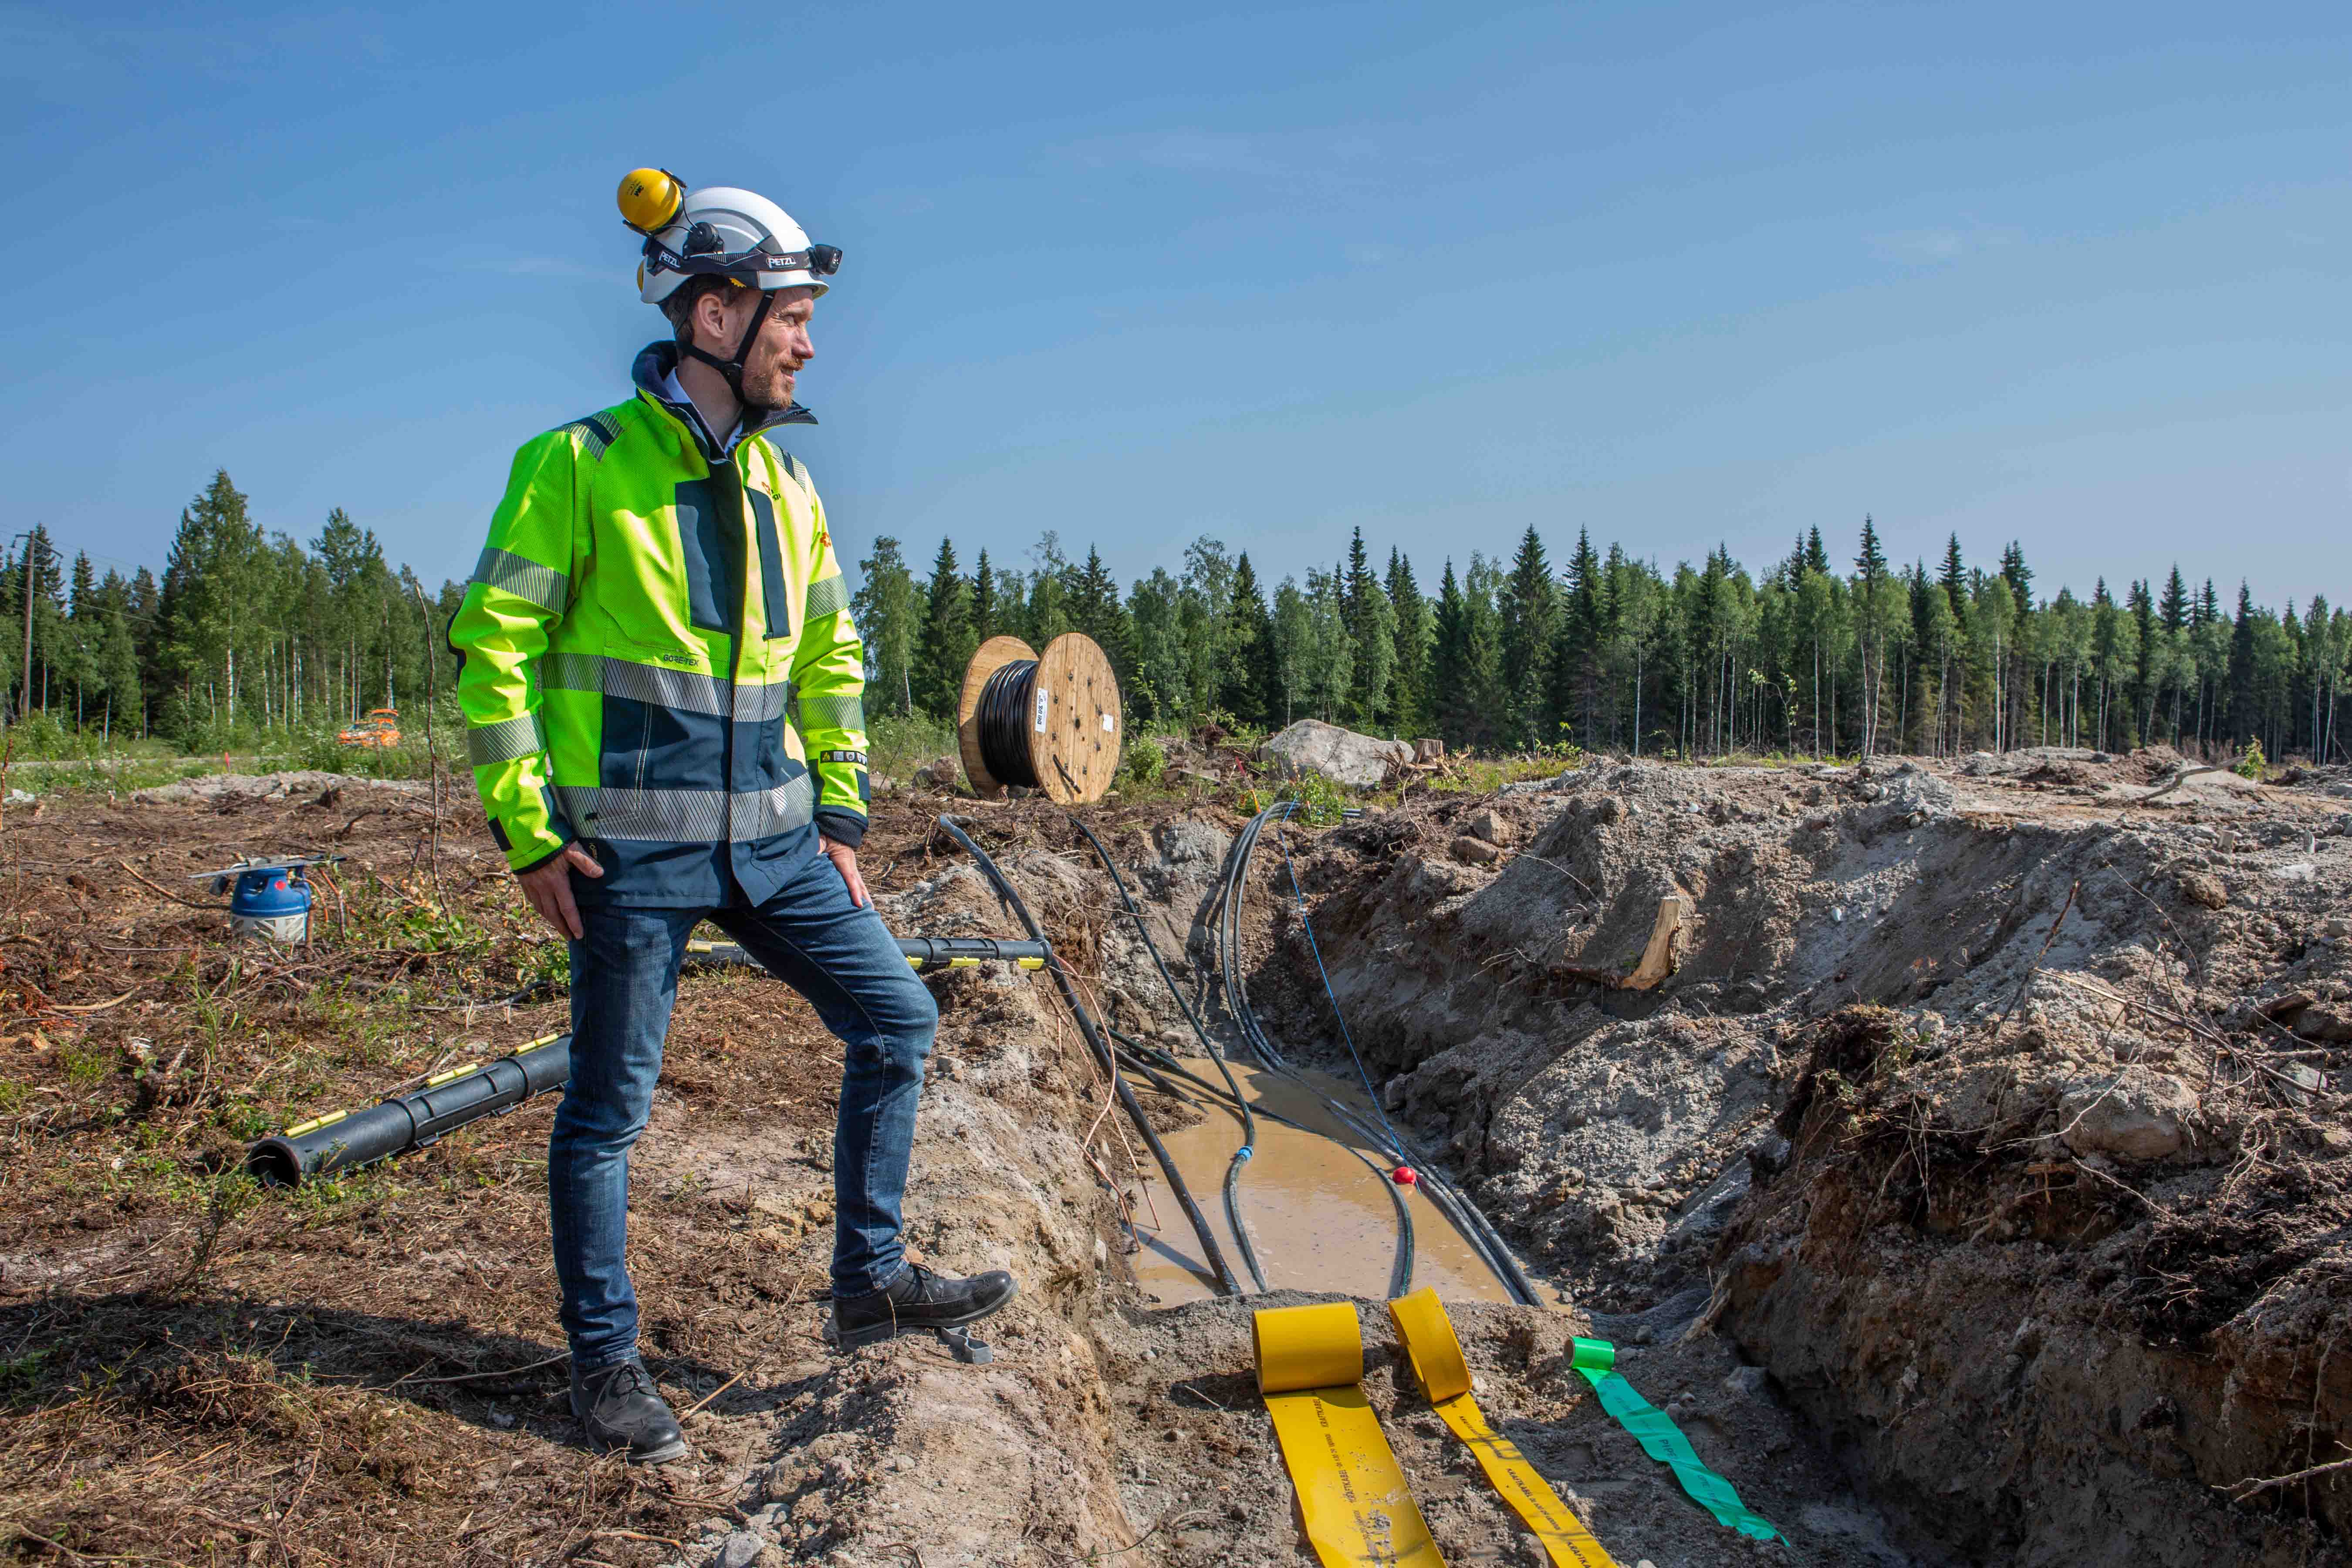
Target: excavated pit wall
x,y
1107,1427
1989,1364
1999,1363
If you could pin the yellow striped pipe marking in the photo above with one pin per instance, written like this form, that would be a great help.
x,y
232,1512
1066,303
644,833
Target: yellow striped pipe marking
x,y
315,1123
1436,1357
1351,1495
438,1078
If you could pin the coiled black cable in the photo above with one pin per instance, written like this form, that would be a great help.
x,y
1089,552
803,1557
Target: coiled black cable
x,y
1004,720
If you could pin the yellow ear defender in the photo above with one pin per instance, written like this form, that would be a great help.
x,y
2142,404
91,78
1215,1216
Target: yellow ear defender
x,y
650,199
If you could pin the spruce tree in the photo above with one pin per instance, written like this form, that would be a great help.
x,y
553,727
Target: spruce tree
x,y
1870,560
1530,628
986,613
947,641
2019,576
1816,558
1409,689
2144,658
1449,662
1576,658
2243,712
1247,686
1954,579
1097,610
1371,623
2173,609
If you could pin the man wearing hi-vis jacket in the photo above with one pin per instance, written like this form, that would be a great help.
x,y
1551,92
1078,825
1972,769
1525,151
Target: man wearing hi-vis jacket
x,y
661,689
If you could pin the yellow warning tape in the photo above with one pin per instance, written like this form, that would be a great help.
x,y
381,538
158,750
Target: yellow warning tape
x,y
1436,1355
1351,1494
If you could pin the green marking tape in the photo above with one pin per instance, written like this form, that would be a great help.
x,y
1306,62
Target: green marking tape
x,y
1664,1441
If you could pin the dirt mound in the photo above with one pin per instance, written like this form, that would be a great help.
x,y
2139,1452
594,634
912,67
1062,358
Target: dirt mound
x,y
1940,1054
308,782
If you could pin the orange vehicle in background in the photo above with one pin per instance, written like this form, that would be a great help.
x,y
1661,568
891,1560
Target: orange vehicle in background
x,y
379,730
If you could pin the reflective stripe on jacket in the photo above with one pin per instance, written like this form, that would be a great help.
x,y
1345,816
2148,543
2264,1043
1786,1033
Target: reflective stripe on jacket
x,y
659,660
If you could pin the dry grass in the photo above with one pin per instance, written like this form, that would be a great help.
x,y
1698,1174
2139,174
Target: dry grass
x,y
193,1370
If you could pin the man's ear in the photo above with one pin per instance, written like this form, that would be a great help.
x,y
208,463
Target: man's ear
x,y
711,319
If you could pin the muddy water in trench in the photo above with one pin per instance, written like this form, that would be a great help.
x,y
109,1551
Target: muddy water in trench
x,y
1320,1217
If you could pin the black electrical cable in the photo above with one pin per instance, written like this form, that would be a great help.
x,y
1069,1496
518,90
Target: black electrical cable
x,y
1465,1216
1002,716
1248,1149
1237,1003
1152,1062
1011,897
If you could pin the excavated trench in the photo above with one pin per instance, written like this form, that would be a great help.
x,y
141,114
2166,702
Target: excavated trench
x,y
1968,1180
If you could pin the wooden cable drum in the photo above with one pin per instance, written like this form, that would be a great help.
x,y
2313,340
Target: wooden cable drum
x,y
1048,722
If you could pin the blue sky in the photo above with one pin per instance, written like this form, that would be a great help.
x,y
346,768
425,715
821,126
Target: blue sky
x,y
1680,274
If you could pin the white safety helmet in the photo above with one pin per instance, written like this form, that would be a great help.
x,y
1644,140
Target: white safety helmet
x,y
721,232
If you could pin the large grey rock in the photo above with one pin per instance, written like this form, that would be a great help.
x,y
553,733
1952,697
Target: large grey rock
x,y
2138,1115
1311,746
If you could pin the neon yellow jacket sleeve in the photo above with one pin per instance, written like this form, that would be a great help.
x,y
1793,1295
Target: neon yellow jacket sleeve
x,y
829,673
519,591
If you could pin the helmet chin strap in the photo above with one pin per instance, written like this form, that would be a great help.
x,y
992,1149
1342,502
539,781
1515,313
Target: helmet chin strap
x,y
732,369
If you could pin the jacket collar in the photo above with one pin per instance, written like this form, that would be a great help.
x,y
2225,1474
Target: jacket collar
x,y
656,360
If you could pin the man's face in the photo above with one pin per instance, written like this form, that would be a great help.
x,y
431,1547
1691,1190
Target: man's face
x,y
783,347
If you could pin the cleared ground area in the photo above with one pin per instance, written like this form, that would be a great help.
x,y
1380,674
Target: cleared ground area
x,y
1956,1150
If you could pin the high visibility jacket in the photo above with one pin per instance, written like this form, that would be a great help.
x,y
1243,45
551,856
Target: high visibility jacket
x,y
659,658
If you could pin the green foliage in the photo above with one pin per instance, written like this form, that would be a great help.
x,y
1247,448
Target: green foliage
x,y
896,744
1321,803
254,644
2253,764
18,1374
84,1066
1143,763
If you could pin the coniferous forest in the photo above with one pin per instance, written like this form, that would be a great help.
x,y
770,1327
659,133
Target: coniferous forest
x,y
1821,652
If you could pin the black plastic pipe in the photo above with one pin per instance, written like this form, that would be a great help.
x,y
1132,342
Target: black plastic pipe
x,y
347,1140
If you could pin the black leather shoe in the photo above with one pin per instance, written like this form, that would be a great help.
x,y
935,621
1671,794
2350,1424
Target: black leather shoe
x,y
919,1300
618,1406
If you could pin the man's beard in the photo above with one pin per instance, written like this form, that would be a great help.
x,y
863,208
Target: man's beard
x,y
766,389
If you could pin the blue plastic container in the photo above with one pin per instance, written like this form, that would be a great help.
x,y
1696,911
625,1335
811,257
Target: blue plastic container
x,y
272,901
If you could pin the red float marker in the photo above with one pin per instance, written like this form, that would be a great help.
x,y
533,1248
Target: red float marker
x,y
1402,1176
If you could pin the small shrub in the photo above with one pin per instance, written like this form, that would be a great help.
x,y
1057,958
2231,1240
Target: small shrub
x,y
896,744
1144,763
1321,803
84,1066
2253,764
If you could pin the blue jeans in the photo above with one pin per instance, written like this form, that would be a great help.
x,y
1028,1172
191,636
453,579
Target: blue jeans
x,y
624,982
